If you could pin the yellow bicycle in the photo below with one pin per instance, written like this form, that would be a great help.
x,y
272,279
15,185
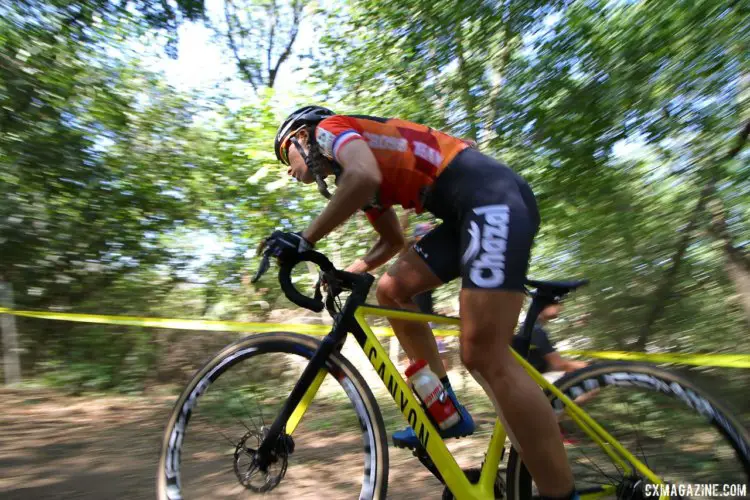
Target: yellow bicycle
x,y
275,400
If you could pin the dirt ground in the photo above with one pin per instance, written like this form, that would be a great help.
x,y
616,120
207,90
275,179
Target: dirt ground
x,y
54,446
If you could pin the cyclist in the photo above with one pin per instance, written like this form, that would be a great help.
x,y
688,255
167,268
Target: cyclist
x,y
490,219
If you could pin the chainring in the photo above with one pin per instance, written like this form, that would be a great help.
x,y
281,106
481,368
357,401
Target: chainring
x,y
473,476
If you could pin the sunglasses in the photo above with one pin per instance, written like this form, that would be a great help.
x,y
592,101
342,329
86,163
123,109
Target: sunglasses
x,y
284,149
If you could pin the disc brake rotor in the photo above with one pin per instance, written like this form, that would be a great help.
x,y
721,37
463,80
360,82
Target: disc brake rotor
x,y
246,468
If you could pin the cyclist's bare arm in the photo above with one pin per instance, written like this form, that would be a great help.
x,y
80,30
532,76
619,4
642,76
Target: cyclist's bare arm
x,y
558,363
357,185
390,242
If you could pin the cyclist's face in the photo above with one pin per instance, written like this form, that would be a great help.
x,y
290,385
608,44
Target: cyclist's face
x,y
297,167
551,311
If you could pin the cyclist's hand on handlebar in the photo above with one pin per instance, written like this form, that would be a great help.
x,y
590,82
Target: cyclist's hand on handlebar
x,y
285,245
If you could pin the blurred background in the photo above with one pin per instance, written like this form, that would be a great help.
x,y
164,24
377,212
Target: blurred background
x,y
137,177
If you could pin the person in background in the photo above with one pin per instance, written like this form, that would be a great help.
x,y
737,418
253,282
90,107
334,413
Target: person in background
x,y
542,354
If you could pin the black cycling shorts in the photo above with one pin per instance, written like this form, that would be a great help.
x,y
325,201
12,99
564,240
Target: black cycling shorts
x,y
490,219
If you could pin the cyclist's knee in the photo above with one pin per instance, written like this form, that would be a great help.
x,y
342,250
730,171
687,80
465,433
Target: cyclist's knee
x,y
389,291
484,351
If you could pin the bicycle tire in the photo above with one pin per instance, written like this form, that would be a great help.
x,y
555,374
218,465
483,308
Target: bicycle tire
x,y
375,476
628,374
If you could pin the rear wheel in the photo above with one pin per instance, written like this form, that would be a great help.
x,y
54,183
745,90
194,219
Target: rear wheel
x,y
338,450
679,432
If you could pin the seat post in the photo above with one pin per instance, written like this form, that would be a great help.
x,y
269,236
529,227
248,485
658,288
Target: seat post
x,y
538,303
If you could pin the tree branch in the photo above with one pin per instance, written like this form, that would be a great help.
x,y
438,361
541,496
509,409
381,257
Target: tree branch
x,y
297,11
720,230
663,292
273,18
241,64
739,142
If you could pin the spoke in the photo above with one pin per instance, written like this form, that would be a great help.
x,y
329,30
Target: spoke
x,y
260,410
247,411
226,438
249,472
252,420
611,480
242,423
637,438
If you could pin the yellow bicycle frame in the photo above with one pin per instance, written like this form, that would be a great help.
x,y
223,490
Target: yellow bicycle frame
x,y
428,435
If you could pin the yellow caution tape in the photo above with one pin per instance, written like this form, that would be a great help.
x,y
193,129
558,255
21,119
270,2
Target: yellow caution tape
x,y
194,324
722,360
718,360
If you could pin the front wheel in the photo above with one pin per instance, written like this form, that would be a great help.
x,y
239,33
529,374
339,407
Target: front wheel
x,y
338,448
679,432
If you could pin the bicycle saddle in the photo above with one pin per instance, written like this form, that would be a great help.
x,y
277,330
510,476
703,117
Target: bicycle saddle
x,y
556,288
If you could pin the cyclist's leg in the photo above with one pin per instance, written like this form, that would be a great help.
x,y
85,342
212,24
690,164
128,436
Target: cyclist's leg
x,y
411,274
496,245
488,321
431,263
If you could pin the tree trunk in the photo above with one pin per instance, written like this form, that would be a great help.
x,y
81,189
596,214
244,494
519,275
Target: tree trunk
x,y
509,47
737,262
665,288
740,277
11,356
662,293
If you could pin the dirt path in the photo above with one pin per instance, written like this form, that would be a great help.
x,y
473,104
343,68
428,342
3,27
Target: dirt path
x,y
57,447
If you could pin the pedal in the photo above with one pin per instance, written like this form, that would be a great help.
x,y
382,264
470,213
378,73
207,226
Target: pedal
x,y
404,445
473,476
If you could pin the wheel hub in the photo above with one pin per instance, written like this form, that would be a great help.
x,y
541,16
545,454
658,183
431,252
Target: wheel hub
x,y
247,466
631,488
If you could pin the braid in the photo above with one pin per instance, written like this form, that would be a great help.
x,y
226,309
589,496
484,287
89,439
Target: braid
x,y
317,162
316,157
313,153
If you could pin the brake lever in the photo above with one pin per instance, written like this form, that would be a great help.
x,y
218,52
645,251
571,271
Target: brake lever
x,y
318,290
265,263
332,286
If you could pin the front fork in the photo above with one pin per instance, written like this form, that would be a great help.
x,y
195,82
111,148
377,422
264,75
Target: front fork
x,y
301,396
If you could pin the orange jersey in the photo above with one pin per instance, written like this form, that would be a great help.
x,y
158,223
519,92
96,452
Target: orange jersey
x,y
410,156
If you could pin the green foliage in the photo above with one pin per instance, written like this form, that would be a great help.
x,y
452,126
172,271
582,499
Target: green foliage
x,y
617,113
120,195
80,19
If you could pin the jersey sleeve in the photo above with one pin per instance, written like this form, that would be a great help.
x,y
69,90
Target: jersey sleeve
x,y
333,133
540,340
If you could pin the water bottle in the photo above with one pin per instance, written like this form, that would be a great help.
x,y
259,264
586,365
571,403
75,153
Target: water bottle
x,y
431,392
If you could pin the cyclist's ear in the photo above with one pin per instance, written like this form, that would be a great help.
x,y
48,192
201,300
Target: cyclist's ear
x,y
303,137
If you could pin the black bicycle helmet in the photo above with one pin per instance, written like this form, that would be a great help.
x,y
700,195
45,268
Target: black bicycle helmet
x,y
308,115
